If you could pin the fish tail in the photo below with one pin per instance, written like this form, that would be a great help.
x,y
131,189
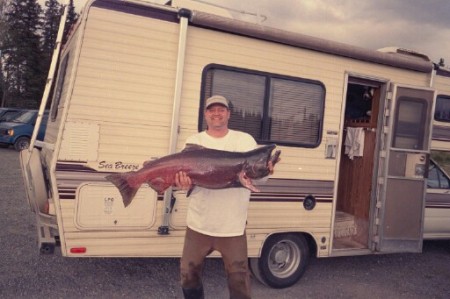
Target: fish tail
x,y
121,182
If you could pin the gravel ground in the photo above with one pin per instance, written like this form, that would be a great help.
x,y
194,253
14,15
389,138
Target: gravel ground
x,y
27,274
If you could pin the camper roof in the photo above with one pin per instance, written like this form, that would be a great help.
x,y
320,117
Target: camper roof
x,y
215,20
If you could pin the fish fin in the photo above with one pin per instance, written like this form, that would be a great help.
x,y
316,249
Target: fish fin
x,y
247,182
121,182
275,157
192,147
158,184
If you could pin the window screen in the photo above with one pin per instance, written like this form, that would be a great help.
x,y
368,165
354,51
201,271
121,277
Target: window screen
x,y
270,107
442,111
295,111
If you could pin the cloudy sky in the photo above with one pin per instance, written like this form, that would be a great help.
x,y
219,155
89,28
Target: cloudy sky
x,y
420,25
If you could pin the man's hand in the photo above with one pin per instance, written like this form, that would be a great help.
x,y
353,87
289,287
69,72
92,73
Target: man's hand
x,y
183,181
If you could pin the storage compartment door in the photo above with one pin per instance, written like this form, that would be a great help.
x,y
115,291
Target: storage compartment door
x,y
100,207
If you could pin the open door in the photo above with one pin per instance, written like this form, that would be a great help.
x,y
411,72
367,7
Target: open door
x,y
357,169
403,170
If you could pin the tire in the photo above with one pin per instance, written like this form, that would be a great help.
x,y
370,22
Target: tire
x,y
283,260
256,271
22,143
34,180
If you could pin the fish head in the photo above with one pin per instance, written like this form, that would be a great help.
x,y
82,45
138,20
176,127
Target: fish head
x,y
256,165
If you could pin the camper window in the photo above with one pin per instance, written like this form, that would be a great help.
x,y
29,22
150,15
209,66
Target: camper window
x,y
442,111
270,107
59,88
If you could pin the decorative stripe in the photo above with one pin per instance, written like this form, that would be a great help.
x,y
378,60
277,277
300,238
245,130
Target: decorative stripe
x,y
288,197
290,190
70,175
437,201
441,133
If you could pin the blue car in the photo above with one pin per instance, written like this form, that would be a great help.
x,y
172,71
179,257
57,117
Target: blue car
x,y
18,130
6,114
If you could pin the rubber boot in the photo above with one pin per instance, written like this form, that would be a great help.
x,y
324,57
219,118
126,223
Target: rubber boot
x,y
194,293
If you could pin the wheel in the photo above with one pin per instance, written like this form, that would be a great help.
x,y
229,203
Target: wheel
x,y
283,260
22,143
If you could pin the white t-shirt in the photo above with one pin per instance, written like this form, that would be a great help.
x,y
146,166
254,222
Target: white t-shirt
x,y
220,212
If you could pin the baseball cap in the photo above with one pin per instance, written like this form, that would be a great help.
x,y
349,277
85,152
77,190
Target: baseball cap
x,y
216,99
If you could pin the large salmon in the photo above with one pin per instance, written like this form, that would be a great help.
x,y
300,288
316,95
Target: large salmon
x,y
207,168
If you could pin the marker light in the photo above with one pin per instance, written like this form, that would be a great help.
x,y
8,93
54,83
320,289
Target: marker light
x,y
78,250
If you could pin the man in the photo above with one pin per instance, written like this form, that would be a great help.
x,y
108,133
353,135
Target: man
x,y
216,218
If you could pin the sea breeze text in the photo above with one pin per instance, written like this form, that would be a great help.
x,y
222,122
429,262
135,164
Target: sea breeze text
x,y
119,165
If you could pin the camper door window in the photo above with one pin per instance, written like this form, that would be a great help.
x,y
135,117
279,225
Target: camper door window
x,y
272,108
409,129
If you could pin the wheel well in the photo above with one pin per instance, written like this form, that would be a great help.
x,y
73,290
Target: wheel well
x,y
309,239
29,137
311,244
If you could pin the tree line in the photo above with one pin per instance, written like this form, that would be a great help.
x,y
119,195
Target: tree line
x,y
27,39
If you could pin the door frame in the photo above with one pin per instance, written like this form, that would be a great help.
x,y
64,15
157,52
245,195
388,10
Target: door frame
x,y
381,85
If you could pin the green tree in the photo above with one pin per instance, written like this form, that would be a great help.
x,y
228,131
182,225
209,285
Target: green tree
x,y
27,41
23,63
3,28
71,19
52,16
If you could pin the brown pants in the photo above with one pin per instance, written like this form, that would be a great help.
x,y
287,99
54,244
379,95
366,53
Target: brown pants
x,y
234,254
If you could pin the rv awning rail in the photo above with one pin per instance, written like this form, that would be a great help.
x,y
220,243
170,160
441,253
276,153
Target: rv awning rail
x,y
308,42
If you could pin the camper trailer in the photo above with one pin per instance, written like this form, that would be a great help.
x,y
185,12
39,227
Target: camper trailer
x,y
354,127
